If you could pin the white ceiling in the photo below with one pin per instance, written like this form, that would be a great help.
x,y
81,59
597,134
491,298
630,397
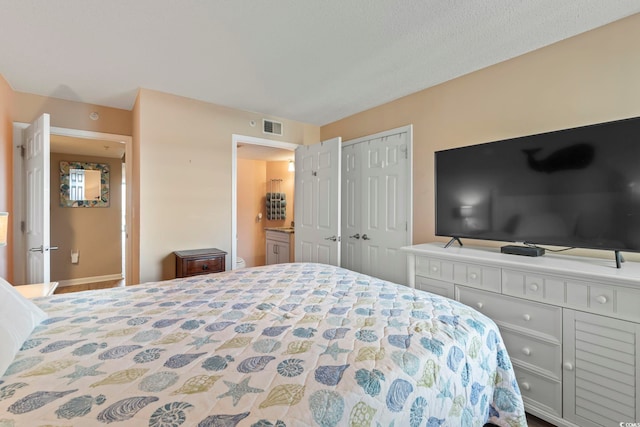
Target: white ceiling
x,y
310,61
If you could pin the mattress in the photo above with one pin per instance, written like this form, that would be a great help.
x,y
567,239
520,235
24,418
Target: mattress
x,y
283,345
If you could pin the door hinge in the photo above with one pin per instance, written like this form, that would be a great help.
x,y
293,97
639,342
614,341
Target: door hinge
x,y
22,226
21,147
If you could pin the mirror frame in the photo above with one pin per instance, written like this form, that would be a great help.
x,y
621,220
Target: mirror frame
x,y
66,202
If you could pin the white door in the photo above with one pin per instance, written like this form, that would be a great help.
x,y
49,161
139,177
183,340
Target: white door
x,y
351,207
384,226
37,197
317,206
377,200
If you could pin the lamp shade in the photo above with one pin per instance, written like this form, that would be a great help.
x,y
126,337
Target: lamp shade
x,y
292,166
4,224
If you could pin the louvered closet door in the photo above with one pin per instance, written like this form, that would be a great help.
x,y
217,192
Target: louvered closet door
x,y
601,371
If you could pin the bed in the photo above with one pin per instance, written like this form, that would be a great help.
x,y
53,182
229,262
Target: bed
x,y
282,345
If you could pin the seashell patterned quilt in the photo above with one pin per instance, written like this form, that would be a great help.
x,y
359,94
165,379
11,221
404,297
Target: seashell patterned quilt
x,y
283,345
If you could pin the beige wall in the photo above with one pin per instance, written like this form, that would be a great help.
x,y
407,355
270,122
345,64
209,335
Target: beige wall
x,y
587,79
184,154
6,174
94,232
71,114
251,188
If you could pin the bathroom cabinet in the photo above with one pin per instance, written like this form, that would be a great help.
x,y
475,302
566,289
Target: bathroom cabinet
x,y
279,244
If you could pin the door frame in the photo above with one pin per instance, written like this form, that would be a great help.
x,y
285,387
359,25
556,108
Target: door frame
x,y
409,130
243,139
19,263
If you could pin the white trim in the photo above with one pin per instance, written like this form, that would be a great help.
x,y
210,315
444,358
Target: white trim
x,y
235,140
409,130
85,280
18,198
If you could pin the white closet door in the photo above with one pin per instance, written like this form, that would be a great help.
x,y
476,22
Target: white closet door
x,y
375,206
385,220
351,207
317,207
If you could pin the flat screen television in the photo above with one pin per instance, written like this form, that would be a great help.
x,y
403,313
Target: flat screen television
x,y
577,187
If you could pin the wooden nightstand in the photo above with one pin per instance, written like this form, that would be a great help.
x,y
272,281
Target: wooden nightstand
x,y
200,261
37,289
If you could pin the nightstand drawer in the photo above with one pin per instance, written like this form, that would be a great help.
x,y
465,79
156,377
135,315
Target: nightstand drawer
x,y
199,261
202,266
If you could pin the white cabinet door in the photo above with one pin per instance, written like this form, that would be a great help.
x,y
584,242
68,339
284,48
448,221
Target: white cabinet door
x,y
600,370
283,252
272,252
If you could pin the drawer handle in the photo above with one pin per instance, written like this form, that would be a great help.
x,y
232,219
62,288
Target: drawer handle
x,y
601,299
526,386
480,305
526,351
568,366
473,276
526,317
533,287
205,267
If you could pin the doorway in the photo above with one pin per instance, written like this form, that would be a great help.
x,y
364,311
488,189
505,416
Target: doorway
x,y
262,149
78,142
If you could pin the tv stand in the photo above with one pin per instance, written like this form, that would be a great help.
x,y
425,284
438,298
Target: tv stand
x,y
571,325
452,241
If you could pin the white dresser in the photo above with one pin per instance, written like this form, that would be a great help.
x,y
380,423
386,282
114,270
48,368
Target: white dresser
x,y
571,325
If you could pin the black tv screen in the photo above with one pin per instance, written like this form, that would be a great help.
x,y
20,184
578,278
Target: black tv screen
x,y
578,187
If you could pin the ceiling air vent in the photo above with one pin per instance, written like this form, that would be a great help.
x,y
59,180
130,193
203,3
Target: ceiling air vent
x,y
271,127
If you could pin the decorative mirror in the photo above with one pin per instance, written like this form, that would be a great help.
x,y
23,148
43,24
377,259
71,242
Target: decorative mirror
x,y
84,185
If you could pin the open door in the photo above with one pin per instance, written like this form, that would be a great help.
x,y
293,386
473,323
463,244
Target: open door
x,y
37,215
317,207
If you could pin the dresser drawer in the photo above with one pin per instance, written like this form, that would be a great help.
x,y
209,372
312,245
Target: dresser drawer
x,y
438,287
434,268
460,273
514,312
617,302
540,391
523,348
532,286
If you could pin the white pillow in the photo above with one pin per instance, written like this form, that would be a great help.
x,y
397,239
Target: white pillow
x,y
18,317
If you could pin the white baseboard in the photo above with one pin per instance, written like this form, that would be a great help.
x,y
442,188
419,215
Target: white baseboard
x,y
85,280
